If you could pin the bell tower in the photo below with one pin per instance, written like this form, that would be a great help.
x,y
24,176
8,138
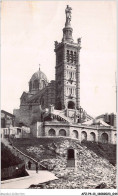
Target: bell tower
x,y
67,68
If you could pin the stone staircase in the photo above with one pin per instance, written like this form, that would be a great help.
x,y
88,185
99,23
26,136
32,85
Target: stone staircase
x,y
23,156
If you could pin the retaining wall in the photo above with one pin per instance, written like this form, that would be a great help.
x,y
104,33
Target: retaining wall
x,y
13,171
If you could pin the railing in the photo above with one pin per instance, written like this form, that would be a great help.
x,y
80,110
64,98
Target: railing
x,y
28,157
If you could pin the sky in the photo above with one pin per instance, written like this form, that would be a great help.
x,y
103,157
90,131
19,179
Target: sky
x,y
28,32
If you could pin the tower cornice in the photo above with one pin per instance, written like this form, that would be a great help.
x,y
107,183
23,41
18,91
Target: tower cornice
x,y
66,44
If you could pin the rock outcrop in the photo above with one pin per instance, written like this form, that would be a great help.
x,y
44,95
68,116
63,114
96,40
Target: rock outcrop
x,y
91,169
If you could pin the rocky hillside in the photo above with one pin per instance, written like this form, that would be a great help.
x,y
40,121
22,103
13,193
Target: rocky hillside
x,y
92,168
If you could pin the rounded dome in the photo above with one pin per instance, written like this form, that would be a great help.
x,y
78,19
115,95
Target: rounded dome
x,y
38,76
37,82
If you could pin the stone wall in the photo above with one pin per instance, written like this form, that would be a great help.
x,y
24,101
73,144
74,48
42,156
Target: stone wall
x,y
37,129
57,127
34,130
51,93
80,132
22,116
40,129
114,137
94,134
13,171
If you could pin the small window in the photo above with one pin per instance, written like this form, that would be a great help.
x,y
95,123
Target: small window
x,y
74,58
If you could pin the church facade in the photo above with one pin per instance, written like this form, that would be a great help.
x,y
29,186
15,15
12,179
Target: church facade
x,y
53,108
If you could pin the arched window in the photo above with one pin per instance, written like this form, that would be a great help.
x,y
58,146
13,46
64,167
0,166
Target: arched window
x,y
70,33
92,137
71,56
51,132
75,134
84,135
67,74
67,56
36,84
43,84
71,74
71,105
74,57
104,138
62,132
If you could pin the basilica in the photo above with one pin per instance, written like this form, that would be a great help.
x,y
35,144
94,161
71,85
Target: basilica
x,y
52,109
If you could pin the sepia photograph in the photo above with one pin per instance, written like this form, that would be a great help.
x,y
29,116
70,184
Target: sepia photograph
x,y
58,96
